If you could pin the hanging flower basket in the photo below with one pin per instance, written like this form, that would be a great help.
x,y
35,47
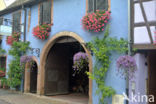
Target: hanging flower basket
x,y
80,61
126,66
25,59
96,21
42,31
15,37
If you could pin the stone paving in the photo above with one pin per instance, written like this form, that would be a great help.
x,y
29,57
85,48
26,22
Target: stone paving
x,y
12,97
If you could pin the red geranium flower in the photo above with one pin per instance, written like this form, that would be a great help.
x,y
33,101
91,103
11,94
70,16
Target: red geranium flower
x,y
96,21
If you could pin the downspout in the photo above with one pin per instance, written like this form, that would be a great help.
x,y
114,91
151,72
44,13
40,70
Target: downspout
x,y
129,45
25,21
24,38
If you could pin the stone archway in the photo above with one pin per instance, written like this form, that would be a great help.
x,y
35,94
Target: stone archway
x,y
46,49
27,75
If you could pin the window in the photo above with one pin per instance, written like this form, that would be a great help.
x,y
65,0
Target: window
x,y
100,5
45,12
3,62
16,22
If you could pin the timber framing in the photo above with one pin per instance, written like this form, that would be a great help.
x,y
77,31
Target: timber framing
x,y
146,24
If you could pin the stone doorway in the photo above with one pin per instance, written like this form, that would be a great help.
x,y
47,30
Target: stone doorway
x,y
31,76
43,59
59,77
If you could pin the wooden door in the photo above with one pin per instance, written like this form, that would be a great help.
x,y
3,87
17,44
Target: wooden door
x,y
33,78
57,71
152,74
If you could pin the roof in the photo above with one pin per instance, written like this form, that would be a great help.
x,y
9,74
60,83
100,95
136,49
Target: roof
x,y
18,4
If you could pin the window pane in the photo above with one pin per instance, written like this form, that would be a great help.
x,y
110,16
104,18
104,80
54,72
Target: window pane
x,y
101,4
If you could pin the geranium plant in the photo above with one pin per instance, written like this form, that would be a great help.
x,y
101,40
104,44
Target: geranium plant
x,y
96,21
126,65
2,72
15,37
42,31
80,61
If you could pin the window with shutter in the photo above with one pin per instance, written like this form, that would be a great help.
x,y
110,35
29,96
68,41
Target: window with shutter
x,y
100,5
90,6
16,22
1,20
3,62
45,12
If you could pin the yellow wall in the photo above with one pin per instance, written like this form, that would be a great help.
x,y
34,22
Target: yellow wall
x,y
2,4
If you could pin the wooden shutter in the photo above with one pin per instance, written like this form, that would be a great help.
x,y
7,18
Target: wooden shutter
x,y
2,62
90,6
45,12
41,13
16,22
1,20
102,4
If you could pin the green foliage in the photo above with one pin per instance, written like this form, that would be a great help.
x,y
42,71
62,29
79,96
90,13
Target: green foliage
x,y
2,51
19,48
15,68
3,81
102,49
2,69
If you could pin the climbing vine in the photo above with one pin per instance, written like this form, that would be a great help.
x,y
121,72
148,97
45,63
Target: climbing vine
x,y
2,51
102,49
15,67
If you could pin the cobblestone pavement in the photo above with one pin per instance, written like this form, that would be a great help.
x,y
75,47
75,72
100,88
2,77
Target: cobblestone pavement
x,y
12,97
3,102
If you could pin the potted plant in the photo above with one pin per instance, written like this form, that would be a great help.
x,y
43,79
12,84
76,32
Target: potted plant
x,y
126,66
2,75
96,21
42,31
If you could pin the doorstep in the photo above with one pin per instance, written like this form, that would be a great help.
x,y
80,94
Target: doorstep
x,y
53,100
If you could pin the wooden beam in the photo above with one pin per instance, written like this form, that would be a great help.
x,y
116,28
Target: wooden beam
x,y
145,19
109,5
151,23
144,46
143,1
132,20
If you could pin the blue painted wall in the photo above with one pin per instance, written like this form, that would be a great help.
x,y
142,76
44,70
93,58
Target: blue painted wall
x,y
67,15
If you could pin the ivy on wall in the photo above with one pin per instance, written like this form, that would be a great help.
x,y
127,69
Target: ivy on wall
x,y
2,51
15,67
102,49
